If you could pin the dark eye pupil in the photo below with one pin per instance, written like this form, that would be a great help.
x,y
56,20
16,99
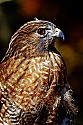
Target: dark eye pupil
x,y
41,31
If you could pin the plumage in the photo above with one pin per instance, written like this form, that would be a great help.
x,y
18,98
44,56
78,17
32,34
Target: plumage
x,y
33,79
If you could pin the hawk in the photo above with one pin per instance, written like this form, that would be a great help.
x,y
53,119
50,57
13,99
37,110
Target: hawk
x,y
33,81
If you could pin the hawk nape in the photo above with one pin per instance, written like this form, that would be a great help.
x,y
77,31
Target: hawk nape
x,y
33,82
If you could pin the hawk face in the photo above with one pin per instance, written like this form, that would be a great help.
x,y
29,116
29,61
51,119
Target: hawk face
x,y
44,35
33,38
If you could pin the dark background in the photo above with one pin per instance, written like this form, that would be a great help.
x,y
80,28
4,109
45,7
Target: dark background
x,y
68,16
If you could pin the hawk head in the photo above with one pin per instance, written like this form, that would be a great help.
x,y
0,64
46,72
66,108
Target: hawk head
x,y
33,38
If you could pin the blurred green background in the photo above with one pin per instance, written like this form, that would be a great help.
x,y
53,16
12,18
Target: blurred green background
x,y
68,16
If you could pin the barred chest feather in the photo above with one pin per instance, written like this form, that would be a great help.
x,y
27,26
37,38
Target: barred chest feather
x,y
29,87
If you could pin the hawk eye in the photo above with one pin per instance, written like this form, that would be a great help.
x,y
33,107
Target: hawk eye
x,y
41,31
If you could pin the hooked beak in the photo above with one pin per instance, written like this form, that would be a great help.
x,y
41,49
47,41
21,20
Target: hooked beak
x,y
59,33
